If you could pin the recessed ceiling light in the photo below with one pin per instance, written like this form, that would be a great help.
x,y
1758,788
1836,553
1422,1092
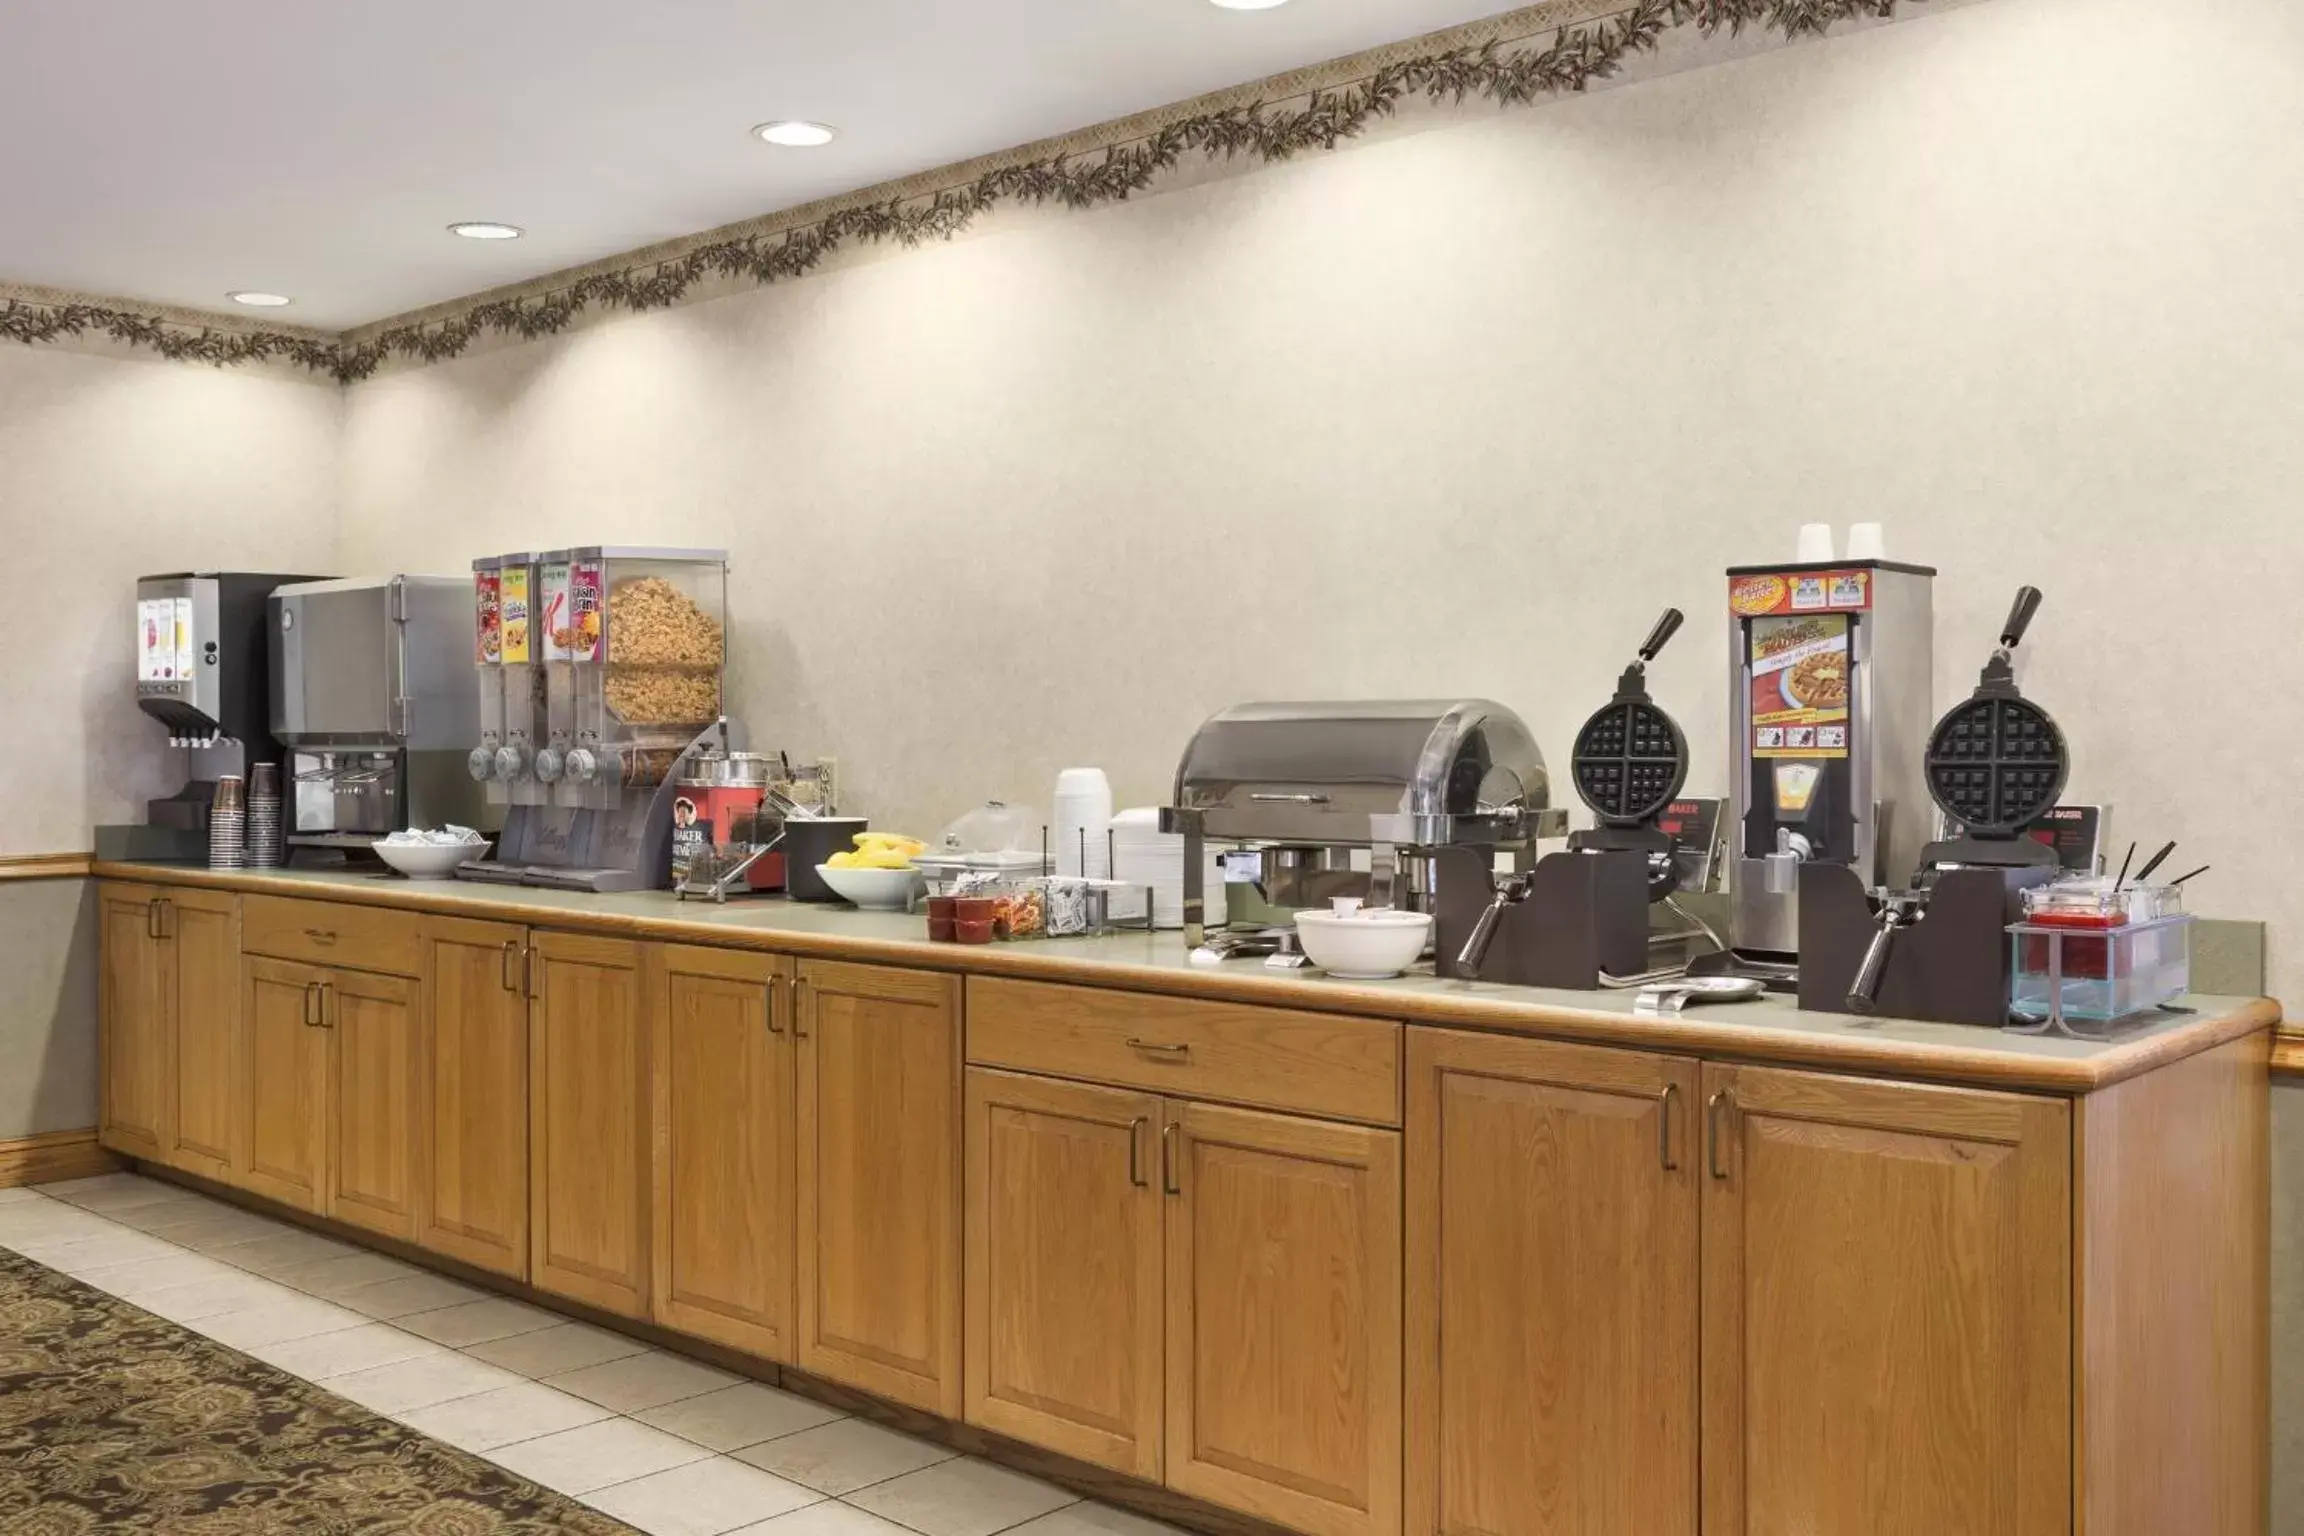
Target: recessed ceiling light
x,y
483,229
1247,5
797,135
260,300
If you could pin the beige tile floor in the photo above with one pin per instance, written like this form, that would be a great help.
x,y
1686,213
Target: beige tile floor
x,y
664,1443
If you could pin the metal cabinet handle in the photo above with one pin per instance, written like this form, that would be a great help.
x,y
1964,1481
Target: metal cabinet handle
x,y
321,935
166,910
1171,1180
328,1005
504,968
311,1004
1135,1156
799,1008
1712,1117
1664,1103
1158,1048
152,917
775,1008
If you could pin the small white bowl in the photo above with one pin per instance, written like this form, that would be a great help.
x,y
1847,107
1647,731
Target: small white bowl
x,y
429,861
1364,945
875,890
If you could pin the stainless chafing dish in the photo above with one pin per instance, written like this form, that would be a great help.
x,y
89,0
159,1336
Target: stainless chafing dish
x,y
1298,788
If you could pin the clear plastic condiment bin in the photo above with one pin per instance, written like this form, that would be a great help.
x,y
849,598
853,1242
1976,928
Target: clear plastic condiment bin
x,y
2089,956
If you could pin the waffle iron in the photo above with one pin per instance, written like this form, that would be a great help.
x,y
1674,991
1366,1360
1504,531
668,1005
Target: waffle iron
x,y
1629,761
1996,763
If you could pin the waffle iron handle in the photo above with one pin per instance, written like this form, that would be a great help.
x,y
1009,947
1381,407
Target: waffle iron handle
x,y
2019,617
1669,625
1864,990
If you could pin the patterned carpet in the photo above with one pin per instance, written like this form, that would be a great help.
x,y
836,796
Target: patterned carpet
x,y
114,1420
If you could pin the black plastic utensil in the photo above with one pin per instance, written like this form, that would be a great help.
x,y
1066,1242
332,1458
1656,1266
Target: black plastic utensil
x,y
2203,869
2156,861
2126,860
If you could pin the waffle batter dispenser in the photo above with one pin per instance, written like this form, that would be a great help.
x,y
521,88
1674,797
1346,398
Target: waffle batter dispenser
x,y
1831,670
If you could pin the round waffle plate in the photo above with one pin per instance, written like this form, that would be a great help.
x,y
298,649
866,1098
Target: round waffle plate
x,y
1630,760
1994,764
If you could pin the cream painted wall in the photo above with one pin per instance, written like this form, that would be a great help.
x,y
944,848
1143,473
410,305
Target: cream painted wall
x,y
110,468
1461,410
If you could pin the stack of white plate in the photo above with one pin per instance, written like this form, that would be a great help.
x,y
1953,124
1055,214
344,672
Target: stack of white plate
x,y
1083,820
1146,858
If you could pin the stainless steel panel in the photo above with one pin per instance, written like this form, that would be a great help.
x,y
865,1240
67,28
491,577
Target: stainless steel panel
x,y
335,664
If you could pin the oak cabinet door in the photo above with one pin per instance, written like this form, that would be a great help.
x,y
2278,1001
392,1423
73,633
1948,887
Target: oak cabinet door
x,y
472,1094
588,1136
1283,1334
725,1147
283,1140
1552,1289
879,1209
133,1006
372,1122
1887,1308
1064,1280
201,953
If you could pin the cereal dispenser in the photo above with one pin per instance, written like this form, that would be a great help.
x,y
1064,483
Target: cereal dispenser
x,y
628,647
511,680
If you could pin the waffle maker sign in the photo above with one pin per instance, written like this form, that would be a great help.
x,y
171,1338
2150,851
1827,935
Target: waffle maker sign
x,y
1800,685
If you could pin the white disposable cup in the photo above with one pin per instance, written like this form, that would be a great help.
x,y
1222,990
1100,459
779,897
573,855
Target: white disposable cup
x,y
1815,546
1866,541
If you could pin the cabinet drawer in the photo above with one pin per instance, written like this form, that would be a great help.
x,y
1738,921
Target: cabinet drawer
x,y
331,933
1275,1058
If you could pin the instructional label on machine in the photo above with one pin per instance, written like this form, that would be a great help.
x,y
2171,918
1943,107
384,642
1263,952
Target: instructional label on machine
x,y
1800,677
1755,596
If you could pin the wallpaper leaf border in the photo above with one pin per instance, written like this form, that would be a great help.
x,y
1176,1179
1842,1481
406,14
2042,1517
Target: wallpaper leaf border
x,y
1545,50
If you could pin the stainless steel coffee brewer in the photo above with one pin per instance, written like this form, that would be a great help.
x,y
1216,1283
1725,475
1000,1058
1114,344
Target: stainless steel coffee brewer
x,y
202,670
1831,669
1352,799
372,695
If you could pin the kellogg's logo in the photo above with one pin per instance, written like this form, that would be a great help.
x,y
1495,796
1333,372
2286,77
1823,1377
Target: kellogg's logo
x,y
1756,594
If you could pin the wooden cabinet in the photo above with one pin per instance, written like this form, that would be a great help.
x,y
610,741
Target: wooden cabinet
x,y
283,1139
1284,1318
1064,1268
725,1146
1887,1308
372,1028
200,937
472,1094
588,1131
1551,1289
879,1196
170,1006
132,1004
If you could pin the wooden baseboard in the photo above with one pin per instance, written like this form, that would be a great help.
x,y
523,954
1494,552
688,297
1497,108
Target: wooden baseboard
x,y
57,1155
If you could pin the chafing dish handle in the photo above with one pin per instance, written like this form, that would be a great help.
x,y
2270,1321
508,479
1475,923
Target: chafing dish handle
x,y
1288,799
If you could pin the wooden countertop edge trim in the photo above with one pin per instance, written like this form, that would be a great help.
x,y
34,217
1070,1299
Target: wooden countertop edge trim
x,y
2288,1051
45,866
1709,1035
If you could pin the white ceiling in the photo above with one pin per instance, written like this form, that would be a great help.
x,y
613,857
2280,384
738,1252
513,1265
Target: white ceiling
x,y
174,152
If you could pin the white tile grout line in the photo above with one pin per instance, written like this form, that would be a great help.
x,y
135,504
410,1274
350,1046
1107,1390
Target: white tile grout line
x,y
222,1254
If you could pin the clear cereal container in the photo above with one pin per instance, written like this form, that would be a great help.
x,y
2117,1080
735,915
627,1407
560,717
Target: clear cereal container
x,y
635,641
2094,953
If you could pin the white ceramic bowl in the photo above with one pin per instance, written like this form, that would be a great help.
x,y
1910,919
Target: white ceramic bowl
x,y
429,861
875,890
1365,945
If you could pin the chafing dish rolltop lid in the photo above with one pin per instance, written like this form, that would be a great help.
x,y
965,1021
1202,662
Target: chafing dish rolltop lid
x,y
1394,776
1412,772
